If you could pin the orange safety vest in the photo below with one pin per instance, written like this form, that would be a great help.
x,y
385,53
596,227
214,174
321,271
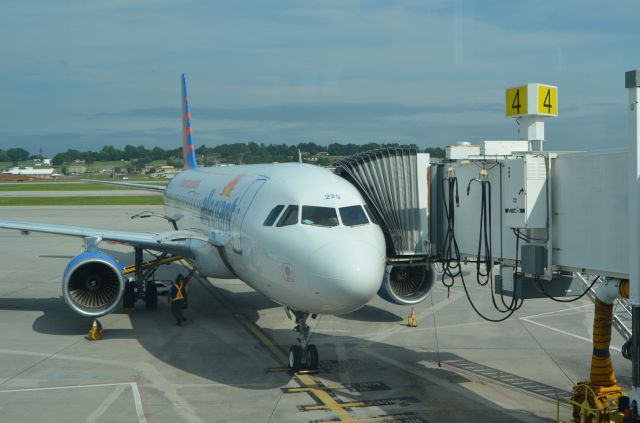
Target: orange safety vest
x,y
179,295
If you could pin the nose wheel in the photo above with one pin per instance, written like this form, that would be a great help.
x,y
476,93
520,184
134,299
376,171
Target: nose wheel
x,y
303,355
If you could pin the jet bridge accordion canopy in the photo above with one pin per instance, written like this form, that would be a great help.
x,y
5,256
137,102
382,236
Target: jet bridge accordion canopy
x,y
393,182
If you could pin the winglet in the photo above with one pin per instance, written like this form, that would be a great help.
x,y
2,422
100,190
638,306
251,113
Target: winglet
x,y
188,147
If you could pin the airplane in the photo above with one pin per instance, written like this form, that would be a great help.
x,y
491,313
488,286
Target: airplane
x,y
297,233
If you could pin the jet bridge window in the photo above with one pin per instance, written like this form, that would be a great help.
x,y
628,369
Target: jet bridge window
x,y
273,215
290,217
353,215
320,216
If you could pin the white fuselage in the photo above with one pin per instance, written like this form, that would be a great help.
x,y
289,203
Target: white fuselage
x,y
305,267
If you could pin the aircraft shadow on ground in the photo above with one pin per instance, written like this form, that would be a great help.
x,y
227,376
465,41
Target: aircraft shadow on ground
x,y
213,345
370,313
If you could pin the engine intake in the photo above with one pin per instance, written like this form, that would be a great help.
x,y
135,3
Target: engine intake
x,y
93,284
406,284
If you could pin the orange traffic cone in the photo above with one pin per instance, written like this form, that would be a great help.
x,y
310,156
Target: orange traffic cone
x,y
95,333
412,319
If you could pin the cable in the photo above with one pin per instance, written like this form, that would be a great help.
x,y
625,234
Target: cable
x,y
502,319
451,267
525,237
485,230
541,287
451,257
435,331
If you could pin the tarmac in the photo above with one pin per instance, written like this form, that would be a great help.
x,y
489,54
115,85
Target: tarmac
x,y
226,364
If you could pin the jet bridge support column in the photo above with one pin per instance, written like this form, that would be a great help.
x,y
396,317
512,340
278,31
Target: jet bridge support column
x,y
632,83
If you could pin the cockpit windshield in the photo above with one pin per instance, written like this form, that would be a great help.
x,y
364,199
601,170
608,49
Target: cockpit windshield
x,y
273,215
353,215
289,217
319,216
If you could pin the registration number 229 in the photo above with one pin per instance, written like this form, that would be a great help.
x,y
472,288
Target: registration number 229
x,y
332,196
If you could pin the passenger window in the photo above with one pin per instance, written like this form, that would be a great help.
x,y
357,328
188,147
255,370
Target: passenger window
x,y
290,217
353,215
320,216
273,215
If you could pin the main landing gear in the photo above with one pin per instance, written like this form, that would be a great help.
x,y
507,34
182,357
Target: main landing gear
x,y
303,355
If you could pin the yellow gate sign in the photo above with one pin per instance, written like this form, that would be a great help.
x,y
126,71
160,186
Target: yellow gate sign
x,y
547,100
517,101
532,100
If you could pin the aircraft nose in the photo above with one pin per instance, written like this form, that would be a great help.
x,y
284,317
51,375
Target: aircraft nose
x,y
351,272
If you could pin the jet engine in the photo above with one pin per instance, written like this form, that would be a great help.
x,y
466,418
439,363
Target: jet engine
x,y
93,284
406,284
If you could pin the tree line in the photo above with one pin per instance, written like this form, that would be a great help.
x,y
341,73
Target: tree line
x,y
15,155
247,153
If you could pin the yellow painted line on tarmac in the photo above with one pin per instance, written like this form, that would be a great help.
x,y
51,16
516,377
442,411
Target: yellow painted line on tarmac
x,y
326,399
264,339
316,386
308,384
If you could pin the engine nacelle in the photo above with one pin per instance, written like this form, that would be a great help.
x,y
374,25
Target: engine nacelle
x,y
93,284
406,284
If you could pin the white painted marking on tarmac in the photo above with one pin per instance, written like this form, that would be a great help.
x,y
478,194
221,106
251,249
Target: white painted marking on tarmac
x,y
613,347
52,388
138,403
548,313
108,402
157,378
102,408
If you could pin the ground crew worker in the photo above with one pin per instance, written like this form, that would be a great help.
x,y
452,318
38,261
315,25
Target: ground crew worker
x,y
177,297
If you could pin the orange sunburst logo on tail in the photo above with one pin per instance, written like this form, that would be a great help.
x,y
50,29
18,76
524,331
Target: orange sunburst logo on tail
x,y
226,191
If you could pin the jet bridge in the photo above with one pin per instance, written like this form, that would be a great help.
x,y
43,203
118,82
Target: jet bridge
x,y
394,184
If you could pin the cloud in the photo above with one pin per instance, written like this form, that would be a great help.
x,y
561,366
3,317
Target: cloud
x,y
309,112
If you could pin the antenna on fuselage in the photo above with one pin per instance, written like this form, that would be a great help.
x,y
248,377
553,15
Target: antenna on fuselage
x,y
299,156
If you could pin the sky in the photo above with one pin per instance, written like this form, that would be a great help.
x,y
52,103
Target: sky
x,y
85,74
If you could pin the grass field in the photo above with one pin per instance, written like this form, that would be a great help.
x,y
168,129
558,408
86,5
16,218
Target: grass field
x,y
81,201
26,186
61,186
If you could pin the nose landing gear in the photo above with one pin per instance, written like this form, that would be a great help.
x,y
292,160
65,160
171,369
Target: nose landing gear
x,y
303,355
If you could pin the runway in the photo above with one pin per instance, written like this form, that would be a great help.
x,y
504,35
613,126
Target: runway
x,y
226,362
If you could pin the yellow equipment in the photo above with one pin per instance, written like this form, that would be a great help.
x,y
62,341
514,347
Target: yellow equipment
x,y
412,319
596,400
95,333
148,264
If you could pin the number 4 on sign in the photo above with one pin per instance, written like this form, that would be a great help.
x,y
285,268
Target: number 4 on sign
x,y
517,101
548,100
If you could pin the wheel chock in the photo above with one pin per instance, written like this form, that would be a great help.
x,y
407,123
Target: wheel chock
x,y
96,331
412,319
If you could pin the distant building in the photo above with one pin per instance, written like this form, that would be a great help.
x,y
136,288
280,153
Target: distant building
x,y
76,169
41,172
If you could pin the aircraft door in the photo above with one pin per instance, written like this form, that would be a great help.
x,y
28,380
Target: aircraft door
x,y
241,211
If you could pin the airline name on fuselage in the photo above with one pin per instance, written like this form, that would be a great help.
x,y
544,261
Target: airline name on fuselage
x,y
214,211
217,212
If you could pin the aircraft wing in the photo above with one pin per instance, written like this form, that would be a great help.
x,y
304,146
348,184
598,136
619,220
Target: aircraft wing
x,y
174,242
147,187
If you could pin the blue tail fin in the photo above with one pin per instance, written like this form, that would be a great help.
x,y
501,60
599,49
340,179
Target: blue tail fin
x,y
188,148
